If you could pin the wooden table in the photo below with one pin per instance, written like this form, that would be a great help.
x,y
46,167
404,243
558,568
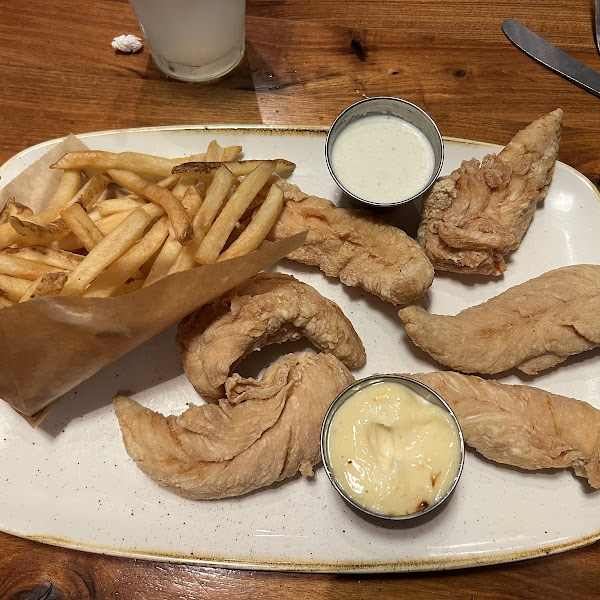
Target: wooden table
x,y
305,62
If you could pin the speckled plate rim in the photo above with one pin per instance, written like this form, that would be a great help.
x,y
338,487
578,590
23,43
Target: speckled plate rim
x,y
339,567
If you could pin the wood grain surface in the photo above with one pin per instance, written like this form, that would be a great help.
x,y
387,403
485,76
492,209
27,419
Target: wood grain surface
x,y
305,62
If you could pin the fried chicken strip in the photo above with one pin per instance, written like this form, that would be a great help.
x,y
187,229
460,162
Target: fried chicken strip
x,y
480,212
268,308
532,326
354,246
521,425
264,430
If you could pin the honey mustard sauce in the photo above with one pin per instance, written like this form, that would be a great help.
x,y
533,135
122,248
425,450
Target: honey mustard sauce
x,y
392,451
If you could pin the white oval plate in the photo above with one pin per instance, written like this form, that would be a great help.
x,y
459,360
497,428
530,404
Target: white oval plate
x,y
71,483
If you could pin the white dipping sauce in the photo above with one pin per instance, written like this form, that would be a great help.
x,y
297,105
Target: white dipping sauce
x,y
382,158
392,451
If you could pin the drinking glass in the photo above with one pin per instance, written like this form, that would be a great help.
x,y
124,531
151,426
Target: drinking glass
x,y
193,40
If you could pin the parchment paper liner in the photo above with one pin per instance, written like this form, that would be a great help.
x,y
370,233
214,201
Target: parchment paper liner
x,y
50,345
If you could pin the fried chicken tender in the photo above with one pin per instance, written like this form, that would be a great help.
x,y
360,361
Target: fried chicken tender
x,y
521,425
263,431
354,246
532,326
268,308
480,212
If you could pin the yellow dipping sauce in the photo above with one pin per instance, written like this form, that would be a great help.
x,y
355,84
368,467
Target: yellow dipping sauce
x,y
392,451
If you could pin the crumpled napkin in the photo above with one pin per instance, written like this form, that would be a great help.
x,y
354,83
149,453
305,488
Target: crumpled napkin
x,y
127,43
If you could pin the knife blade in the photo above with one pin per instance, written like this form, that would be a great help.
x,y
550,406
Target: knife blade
x,y
551,57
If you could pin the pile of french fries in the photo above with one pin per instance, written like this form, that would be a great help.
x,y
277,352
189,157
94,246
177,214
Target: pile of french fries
x,y
92,240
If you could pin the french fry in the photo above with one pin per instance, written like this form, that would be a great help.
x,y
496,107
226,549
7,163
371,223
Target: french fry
x,y
215,152
192,201
235,234
32,234
49,256
69,185
5,302
171,204
184,260
169,182
239,168
260,225
215,239
115,205
91,191
94,214
258,200
22,268
13,288
129,286
167,257
147,266
8,236
85,230
69,243
112,246
49,284
183,184
125,267
230,153
164,261
107,224
139,274
144,164
82,226
216,196
12,208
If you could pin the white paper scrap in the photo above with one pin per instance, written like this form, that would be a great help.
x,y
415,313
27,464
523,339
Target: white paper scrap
x,y
127,43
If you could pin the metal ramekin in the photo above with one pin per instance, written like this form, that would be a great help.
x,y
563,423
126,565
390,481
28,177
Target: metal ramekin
x,y
387,105
420,389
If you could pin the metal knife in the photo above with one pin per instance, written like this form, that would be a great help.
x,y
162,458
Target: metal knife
x,y
551,57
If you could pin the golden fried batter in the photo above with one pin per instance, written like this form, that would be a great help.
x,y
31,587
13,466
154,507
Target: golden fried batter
x,y
264,430
355,247
266,309
532,326
521,425
480,212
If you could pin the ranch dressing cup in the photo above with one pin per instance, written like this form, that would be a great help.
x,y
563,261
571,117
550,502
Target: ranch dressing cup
x,y
392,447
384,151
193,40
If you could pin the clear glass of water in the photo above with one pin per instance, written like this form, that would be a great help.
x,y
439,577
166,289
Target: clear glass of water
x,y
193,40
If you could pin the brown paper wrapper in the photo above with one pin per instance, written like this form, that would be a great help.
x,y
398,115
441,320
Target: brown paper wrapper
x,y
50,345
35,185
